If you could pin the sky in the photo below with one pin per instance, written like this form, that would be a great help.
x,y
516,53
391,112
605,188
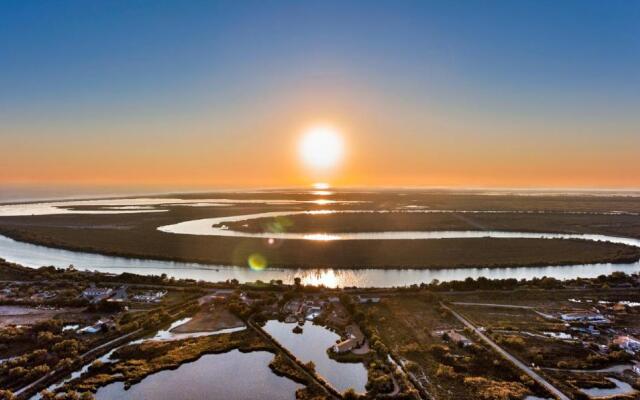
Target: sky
x,y
214,94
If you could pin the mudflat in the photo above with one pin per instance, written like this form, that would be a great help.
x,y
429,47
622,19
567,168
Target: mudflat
x,y
209,320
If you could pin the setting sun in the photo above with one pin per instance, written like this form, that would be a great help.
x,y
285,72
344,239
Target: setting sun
x,y
321,147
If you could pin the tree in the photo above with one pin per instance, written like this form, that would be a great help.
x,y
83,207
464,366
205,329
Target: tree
x,y
6,395
311,366
86,396
350,394
47,395
72,395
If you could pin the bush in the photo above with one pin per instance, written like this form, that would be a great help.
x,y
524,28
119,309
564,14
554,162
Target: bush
x,y
487,389
446,372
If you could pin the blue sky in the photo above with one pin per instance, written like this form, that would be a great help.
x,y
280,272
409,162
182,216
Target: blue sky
x,y
69,69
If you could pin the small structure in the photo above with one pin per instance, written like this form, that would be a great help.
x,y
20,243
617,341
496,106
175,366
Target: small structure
x,y
628,343
120,295
150,296
590,317
619,308
101,325
313,312
458,339
96,294
355,339
345,346
42,296
362,299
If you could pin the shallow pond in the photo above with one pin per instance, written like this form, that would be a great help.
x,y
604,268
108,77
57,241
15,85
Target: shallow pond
x,y
622,388
233,375
311,345
162,334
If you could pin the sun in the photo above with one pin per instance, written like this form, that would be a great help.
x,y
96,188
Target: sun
x,y
321,147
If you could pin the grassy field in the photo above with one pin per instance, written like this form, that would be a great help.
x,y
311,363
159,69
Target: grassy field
x,y
408,326
550,222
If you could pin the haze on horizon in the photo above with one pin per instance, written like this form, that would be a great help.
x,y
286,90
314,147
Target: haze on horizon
x,y
219,94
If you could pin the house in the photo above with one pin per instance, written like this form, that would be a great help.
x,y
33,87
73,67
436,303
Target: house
x,y
95,294
590,317
120,295
42,296
619,308
150,296
459,339
628,343
355,339
368,299
101,325
345,346
313,312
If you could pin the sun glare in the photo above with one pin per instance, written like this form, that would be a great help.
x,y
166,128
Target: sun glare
x,y
321,147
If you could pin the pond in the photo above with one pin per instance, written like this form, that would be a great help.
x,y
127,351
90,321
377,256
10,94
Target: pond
x,y
233,375
621,389
162,334
312,345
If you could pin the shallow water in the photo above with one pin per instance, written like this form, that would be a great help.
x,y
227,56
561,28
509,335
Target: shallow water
x,y
233,375
622,388
139,205
311,345
162,334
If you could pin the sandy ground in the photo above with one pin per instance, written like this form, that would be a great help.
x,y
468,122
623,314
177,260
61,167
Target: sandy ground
x,y
18,315
210,320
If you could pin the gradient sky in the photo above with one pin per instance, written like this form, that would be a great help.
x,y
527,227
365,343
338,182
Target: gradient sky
x,y
215,94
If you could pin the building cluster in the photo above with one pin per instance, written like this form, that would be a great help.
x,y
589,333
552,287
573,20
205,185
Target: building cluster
x,y
151,296
602,326
354,340
308,308
96,294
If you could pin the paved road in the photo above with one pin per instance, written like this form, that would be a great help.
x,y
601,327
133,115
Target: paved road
x,y
493,305
546,384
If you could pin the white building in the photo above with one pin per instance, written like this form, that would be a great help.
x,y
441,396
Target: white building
x,y
593,318
628,343
150,297
96,294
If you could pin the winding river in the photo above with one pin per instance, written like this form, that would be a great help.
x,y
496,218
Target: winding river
x,y
35,255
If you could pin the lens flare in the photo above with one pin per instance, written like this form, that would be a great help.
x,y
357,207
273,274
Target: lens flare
x,y
257,262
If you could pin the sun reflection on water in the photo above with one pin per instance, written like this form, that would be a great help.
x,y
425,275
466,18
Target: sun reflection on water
x,y
322,237
327,278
